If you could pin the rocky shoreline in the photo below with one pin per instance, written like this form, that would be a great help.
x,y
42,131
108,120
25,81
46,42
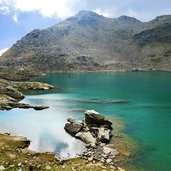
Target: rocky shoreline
x,y
11,93
16,155
100,154
96,132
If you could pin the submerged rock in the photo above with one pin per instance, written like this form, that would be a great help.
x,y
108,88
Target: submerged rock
x,y
108,150
40,107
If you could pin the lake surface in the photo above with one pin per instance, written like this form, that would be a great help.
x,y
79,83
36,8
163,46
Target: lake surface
x,y
147,114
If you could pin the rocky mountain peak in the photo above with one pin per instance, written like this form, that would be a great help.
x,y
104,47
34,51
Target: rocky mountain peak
x,y
163,17
128,19
87,14
86,18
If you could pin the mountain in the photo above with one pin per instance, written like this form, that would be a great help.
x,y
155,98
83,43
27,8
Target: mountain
x,y
88,41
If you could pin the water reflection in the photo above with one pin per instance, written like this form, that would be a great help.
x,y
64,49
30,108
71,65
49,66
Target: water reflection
x,y
44,128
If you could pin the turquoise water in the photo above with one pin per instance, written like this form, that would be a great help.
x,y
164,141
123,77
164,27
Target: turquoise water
x,y
147,114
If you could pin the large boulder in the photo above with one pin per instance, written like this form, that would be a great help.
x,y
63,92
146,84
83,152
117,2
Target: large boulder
x,y
95,119
87,138
73,127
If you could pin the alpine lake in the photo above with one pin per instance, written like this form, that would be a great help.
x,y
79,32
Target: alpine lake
x,y
144,106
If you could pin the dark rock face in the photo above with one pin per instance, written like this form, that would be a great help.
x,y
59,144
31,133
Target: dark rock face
x,y
88,41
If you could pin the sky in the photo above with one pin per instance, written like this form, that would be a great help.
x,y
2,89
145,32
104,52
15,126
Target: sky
x,y
19,17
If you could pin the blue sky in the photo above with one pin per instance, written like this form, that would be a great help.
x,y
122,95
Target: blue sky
x,y
18,17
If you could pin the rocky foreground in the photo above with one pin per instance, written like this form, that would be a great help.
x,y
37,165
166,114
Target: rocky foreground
x,y
101,154
96,132
15,155
11,93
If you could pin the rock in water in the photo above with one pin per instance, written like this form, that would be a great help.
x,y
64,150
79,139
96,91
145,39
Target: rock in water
x,y
94,130
87,138
73,128
103,135
94,118
109,150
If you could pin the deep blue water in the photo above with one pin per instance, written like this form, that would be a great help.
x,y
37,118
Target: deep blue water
x,y
147,114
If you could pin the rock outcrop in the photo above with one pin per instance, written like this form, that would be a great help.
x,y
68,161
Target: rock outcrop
x,y
93,118
11,94
94,130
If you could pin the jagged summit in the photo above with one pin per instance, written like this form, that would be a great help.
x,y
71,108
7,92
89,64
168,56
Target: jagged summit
x,y
86,18
84,13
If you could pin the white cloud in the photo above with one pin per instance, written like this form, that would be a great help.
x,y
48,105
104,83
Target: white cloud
x,y
48,8
4,9
15,18
66,8
3,50
103,12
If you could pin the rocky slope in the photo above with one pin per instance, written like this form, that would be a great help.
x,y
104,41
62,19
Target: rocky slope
x,y
88,41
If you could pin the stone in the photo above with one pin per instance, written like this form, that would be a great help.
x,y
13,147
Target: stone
x,y
120,169
94,118
87,138
109,150
88,112
103,135
73,128
20,169
48,167
90,158
71,120
40,107
108,160
2,168
73,169
19,164
63,166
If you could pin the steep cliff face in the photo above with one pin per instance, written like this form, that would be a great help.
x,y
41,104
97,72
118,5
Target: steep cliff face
x,y
89,41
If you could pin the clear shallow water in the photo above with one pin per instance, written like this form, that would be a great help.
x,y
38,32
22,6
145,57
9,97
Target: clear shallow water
x,y
147,113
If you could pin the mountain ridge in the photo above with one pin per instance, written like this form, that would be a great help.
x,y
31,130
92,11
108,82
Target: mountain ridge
x,y
88,41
